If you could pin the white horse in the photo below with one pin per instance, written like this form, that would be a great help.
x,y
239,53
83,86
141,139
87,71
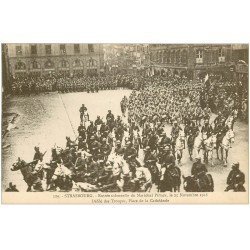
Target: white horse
x,y
61,171
180,145
226,144
210,145
198,145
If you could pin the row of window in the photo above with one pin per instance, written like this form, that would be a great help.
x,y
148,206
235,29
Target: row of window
x,y
170,56
49,64
48,50
177,56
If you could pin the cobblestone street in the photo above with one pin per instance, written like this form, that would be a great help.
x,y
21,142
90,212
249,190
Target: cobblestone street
x,y
47,119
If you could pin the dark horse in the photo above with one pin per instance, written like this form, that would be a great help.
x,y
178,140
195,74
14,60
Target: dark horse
x,y
202,183
170,179
30,177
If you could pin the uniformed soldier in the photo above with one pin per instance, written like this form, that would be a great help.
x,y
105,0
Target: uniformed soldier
x,y
236,179
198,167
38,156
81,110
82,131
207,129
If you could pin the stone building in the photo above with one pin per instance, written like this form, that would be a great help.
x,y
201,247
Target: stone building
x,y
42,59
192,60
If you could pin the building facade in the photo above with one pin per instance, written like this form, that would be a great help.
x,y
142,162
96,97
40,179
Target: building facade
x,y
192,60
67,59
125,58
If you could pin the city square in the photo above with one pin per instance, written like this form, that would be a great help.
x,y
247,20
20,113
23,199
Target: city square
x,y
148,98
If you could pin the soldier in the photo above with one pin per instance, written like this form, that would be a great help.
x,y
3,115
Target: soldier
x,y
236,179
130,152
207,129
82,145
38,156
91,130
81,110
105,149
198,167
98,121
118,148
149,158
175,130
82,131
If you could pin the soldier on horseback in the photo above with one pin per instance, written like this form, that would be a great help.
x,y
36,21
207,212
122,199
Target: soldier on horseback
x,y
175,133
207,129
38,156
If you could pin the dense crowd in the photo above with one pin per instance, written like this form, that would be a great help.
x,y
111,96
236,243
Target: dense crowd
x,y
135,154
79,83
182,99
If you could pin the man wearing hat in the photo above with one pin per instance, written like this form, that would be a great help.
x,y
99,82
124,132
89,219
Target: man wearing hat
x,y
130,152
149,158
198,167
105,149
82,131
118,148
38,156
207,129
81,110
236,179
175,130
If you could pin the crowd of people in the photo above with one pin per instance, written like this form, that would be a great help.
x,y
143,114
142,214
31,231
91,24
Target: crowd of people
x,y
64,83
134,153
182,99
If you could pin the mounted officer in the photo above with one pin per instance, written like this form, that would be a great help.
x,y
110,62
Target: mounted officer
x,y
207,129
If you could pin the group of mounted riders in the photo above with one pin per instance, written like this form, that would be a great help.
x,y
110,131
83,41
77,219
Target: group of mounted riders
x,y
107,156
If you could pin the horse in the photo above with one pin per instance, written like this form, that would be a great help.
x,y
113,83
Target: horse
x,y
62,178
209,146
226,144
180,145
198,144
30,177
202,183
170,179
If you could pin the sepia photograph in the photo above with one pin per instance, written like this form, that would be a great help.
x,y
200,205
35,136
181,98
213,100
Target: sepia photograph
x,y
93,121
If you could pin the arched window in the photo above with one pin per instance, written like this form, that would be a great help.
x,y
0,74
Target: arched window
x,y
92,63
77,63
49,64
64,64
20,66
35,65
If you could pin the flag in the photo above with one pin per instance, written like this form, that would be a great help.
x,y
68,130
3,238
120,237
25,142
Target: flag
x,y
206,78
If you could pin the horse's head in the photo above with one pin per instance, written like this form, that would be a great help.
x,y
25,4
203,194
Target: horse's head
x,y
230,135
188,183
61,171
17,165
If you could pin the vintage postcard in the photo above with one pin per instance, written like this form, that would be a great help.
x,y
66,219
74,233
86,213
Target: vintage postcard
x,y
125,123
